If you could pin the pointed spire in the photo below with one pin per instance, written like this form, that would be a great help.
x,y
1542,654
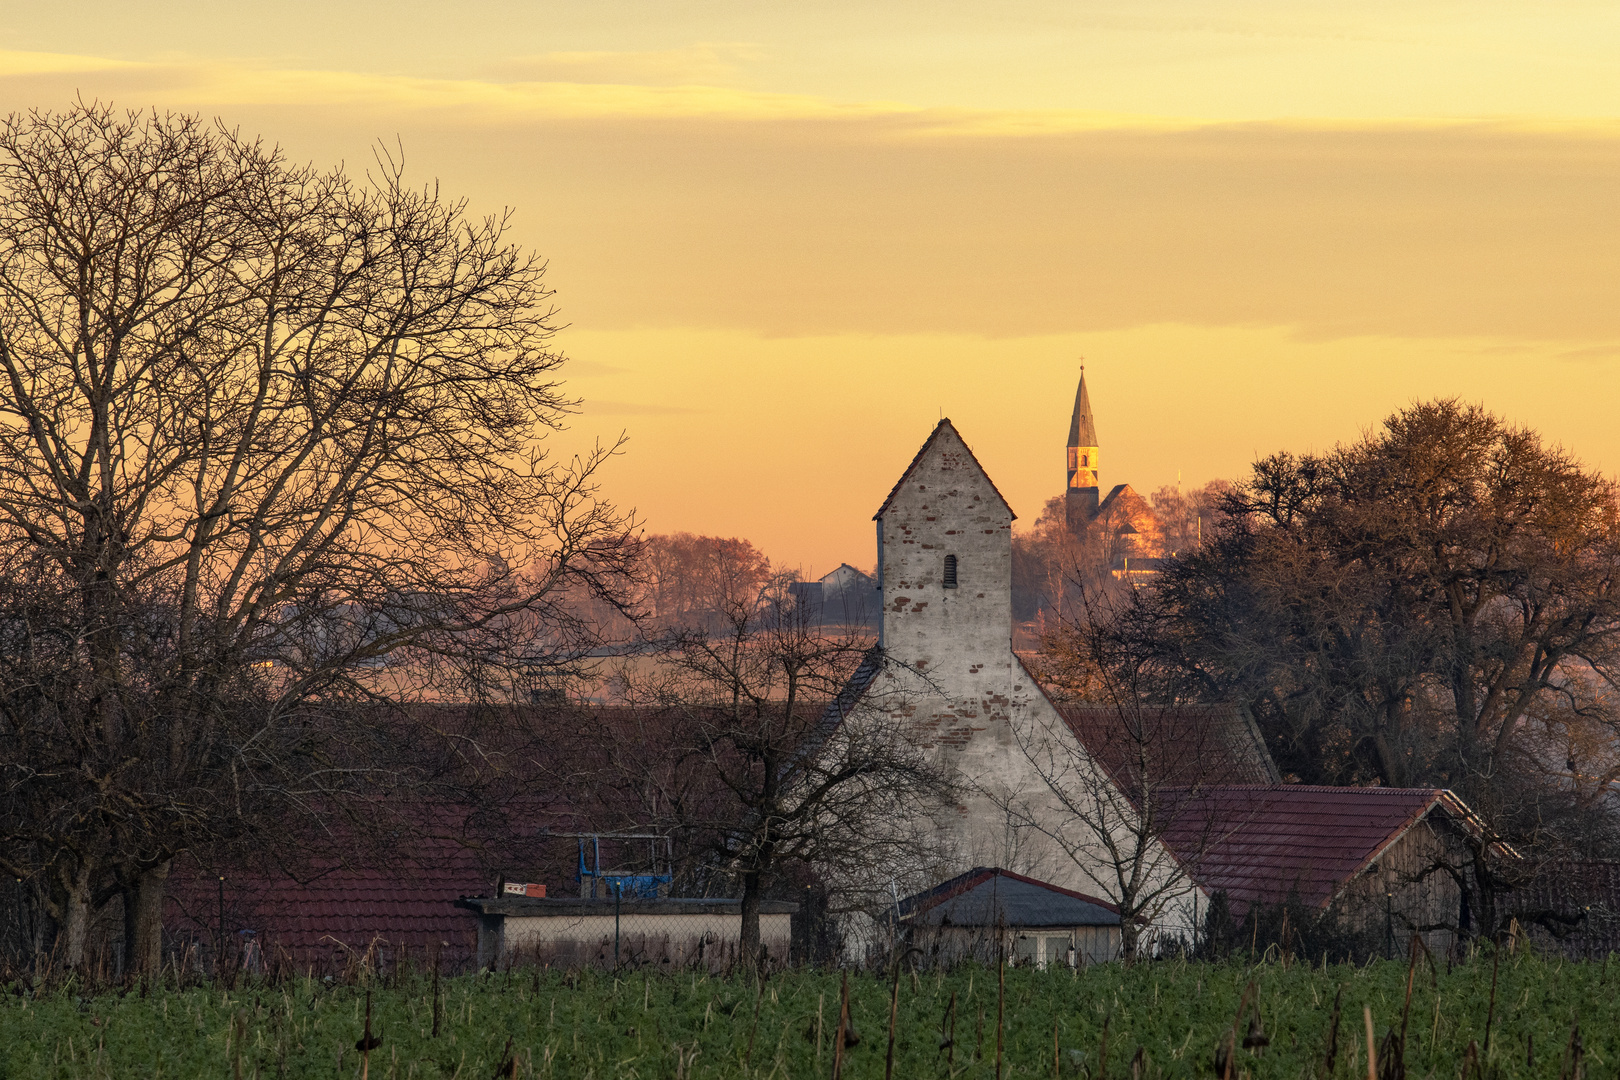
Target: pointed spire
x,y
1082,429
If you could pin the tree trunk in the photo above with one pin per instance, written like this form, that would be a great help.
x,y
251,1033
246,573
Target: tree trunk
x,y
749,945
1129,935
143,921
1391,767
75,924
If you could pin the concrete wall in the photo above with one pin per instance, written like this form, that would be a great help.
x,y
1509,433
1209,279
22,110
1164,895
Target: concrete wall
x,y
679,939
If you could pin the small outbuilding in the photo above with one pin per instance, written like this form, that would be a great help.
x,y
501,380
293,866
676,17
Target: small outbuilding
x,y
988,912
665,932
1389,861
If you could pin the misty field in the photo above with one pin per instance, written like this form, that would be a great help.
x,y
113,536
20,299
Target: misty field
x,y
1149,1020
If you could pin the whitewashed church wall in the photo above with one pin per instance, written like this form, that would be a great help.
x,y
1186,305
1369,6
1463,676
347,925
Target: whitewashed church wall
x,y
954,679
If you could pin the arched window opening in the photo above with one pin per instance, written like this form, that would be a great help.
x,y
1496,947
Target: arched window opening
x,y
950,571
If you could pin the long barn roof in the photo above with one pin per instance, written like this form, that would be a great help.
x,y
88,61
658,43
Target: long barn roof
x,y
1259,843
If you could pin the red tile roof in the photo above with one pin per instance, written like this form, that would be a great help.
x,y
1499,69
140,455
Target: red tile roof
x,y
404,907
1172,745
1259,843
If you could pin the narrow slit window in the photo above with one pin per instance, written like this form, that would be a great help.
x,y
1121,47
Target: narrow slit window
x,y
950,571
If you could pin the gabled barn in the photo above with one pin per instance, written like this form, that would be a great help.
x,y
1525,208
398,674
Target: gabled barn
x,y
1384,856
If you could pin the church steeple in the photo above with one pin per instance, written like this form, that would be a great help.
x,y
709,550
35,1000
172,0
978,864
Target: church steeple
x,y
1082,441
1081,492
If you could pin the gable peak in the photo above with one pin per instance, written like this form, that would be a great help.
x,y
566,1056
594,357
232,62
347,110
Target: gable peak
x,y
944,433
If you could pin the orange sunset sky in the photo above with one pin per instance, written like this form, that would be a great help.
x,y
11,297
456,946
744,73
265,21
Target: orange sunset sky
x,y
787,236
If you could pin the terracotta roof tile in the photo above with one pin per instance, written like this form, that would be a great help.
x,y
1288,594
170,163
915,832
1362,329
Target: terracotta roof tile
x,y
1172,745
1258,843
406,905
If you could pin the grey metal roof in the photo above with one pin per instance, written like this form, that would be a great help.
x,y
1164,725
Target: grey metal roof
x,y
994,897
1082,429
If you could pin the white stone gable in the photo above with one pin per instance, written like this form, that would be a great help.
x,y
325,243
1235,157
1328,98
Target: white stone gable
x,y
951,673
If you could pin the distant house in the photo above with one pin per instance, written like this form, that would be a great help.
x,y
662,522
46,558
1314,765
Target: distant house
x,y
989,912
844,597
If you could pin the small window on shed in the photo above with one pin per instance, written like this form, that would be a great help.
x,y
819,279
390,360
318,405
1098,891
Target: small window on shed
x,y
950,571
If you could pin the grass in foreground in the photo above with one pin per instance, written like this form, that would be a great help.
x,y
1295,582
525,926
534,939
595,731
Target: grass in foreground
x,y
645,1026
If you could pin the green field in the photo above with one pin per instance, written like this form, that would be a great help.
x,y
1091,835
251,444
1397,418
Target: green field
x,y
662,1026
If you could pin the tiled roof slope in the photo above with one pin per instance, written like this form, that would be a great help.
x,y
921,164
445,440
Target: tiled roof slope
x,y
1172,745
939,429
404,908
990,896
1571,906
1259,843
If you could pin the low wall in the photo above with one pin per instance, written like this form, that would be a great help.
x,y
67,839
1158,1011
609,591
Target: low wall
x,y
665,933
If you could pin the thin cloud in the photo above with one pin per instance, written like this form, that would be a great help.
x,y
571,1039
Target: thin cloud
x,y
1591,354
699,65
638,86
590,369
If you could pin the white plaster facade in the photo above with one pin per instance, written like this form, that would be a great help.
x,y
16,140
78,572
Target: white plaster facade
x,y
952,673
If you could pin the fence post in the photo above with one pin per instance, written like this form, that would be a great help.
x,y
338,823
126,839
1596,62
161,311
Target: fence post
x,y
219,949
618,895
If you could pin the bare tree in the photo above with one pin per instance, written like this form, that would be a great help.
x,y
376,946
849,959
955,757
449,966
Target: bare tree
x,y
694,581
1187,515
1435,604
271,443
1115,772
752,753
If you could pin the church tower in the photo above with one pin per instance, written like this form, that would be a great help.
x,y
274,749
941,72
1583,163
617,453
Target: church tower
x,y
1081,496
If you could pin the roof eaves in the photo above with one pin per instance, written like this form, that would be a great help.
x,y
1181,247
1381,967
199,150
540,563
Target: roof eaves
x,y
840,707
1388,842
949,889
1474,823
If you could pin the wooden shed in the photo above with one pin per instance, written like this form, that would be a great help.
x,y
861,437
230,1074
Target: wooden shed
x,y
1386,859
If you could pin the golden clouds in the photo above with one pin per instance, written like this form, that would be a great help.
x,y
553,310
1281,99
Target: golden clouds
x,y
777,291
